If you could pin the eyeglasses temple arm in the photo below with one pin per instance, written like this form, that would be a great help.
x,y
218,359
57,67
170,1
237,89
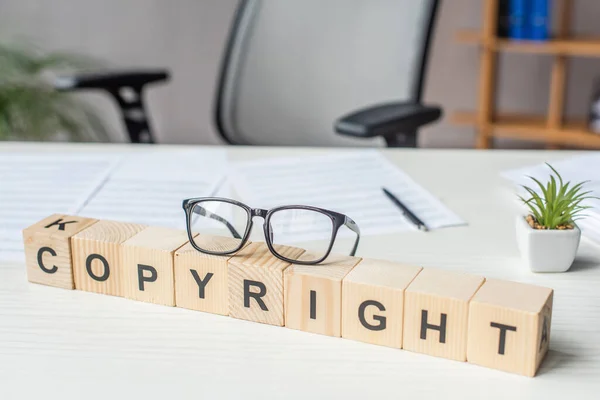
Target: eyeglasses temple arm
x,y
350,224
204,212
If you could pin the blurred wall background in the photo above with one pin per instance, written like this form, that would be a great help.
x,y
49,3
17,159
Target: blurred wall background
x,y
188,36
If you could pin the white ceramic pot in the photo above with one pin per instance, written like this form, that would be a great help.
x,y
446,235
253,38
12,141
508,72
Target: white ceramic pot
x,y
547,250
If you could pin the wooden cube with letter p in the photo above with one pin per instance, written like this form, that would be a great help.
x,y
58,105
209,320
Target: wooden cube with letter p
x,y
147,263
48,249
256,283
373,301
313,294
97,256
509,326
201,280
436,310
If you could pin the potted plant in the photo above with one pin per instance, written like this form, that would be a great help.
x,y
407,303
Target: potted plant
x,y
548,237
32,109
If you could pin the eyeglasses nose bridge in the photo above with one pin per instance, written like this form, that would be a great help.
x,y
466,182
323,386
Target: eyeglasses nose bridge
x,y
259,212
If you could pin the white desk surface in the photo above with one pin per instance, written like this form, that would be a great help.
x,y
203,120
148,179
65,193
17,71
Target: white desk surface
x,y
65,344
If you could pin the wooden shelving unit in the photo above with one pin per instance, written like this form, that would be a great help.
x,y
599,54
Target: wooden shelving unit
x,y
552,129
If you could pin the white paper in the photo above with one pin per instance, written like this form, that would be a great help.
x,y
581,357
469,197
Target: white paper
x,y
35,185
350,183
148,188
575,169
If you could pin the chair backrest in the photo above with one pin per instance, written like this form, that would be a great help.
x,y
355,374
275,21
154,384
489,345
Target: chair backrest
x,y
293,67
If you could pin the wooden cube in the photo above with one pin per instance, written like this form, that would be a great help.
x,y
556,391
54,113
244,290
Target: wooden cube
x,y
509,326
313,294
256,283
436,310
373,301
201,280
148,265
97,256
48,249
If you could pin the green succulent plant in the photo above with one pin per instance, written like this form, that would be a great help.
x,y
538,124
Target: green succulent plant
x,y
559,204
31,108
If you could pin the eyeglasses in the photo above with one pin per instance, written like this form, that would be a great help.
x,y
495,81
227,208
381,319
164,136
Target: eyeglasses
x,y
283,226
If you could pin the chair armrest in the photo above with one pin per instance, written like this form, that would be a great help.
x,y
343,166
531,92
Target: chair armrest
x,y
387,119
110,80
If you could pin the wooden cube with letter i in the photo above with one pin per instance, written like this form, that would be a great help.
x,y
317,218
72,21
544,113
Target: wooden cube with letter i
x,y
256,283
97,256
436,310
147,263
373,301
48,249
509,326
313,294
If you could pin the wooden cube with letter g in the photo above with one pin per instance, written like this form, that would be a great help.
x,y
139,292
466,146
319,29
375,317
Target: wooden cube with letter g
x,y
48,249
436,310
509,326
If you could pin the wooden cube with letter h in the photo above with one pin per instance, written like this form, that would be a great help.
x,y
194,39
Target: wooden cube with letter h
x,y
373,301
97,256
256,283
48,249
147,263
436,310
313,294
201,280
509,326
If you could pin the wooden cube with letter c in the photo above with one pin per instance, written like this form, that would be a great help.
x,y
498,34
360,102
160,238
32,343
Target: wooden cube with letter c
x,y
147,263
97,256
313,294
509,326
201,280
373,301
436,310
48,249
256,283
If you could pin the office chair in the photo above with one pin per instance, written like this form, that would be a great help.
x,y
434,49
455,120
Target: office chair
x,y
293,71
127,89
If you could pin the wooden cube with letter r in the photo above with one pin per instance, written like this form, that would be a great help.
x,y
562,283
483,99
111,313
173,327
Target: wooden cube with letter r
x,y
509,326
97,256
256,283
48,249
436,310
147,263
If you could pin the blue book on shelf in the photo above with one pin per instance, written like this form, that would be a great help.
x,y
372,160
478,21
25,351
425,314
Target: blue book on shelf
x,y
518,11
539,20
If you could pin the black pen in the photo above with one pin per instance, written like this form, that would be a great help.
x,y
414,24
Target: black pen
x,y
407,213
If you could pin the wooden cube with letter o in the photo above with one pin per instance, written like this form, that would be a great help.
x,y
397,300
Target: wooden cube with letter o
x,y
48,249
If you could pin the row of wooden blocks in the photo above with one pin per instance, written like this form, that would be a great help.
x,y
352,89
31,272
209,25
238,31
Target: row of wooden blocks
x,y
498,324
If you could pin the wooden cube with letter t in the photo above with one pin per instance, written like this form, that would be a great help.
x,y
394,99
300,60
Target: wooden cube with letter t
x,y
97,256
373,301
256,283
436,310
313,294
147,263
509,326
201,280
48,249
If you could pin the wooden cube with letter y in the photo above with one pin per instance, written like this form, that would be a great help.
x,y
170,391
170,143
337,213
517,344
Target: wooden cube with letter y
x,y
97,256
509,326
201,280
436,310
313,294
373,301
256,283
147,263
48,249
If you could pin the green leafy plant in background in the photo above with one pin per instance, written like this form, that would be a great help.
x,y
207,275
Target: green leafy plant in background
x,y
558,206
31,108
